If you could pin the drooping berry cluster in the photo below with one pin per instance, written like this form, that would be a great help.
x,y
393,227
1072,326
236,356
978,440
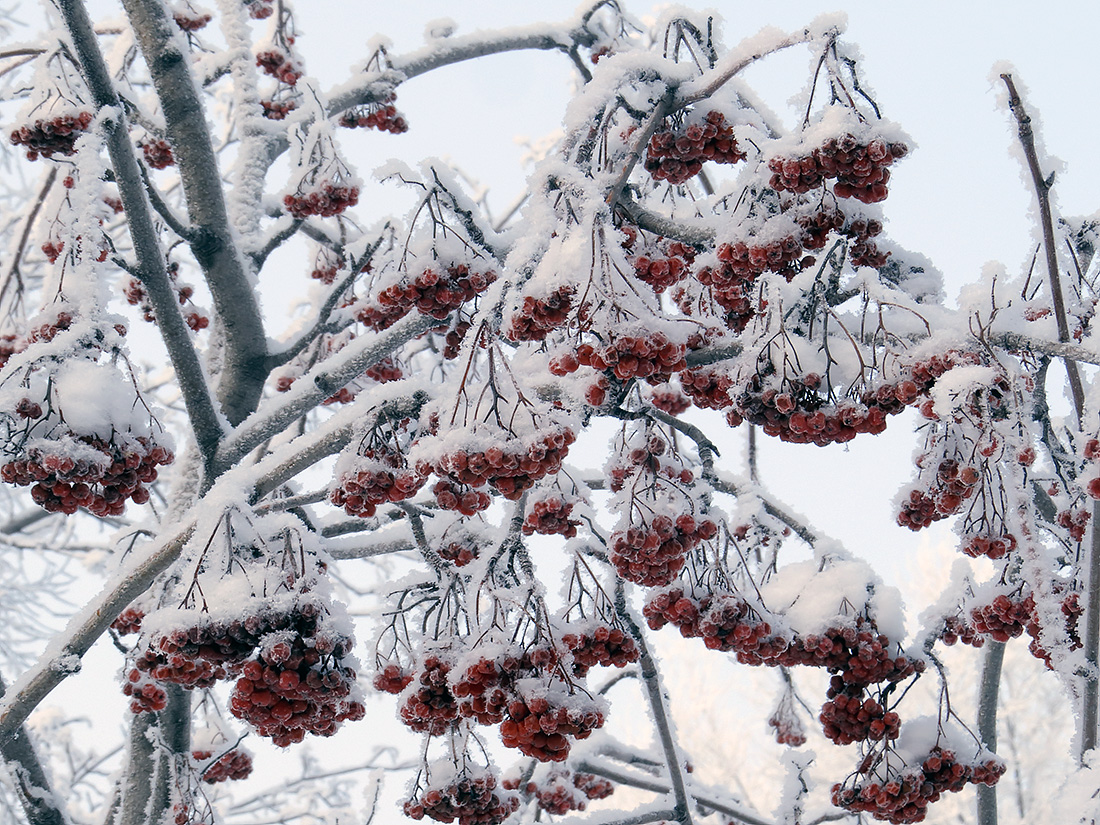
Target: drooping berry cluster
x,y
940,496
236,764
431,707
785,724
860,169
435,293
280,65
649,356
904,793
453,495
462,551
563,791
471,800
1072,610
382,116
849,715
137,296
676,155
298,686
511,467
325,200
128,621
56,136
103,476
379,476
277,109
542,723
292,669
191,21
707,387
599,644
669,399
793,410
652,552
1075,521
550,516
392,678
663,265
158,154
537,317
1004,618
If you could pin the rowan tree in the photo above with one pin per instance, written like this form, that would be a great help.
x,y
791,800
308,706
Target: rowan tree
x,y
683,270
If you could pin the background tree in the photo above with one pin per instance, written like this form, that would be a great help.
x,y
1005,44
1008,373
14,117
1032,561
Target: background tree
x,y
681,264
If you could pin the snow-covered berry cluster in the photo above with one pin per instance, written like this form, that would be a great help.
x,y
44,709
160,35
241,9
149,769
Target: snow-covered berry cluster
x,y
53,136
677,154
859,168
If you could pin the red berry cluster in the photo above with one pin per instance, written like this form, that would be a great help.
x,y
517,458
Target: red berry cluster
x,y
392,679
600,644
278,109
941,496
669,399
850,716
326,200
209,650
542,724
651,356
707,387
128,622
462,552
1006,617
957,629
237,764
857,652
158,154
536,317
62,484
137,296
146,695
905,794
740,263
57,135
1072,611
511,467
453,495
484,688
436,293
452,341
645,459
797,413
190,21
653,552
379,318
787,726
677,155
382,116
260,9
298,686
1075,521
279,65
564,791
674,606
431,708
549,516
379,476
662,272
471,800
860,169
991,546
385,371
